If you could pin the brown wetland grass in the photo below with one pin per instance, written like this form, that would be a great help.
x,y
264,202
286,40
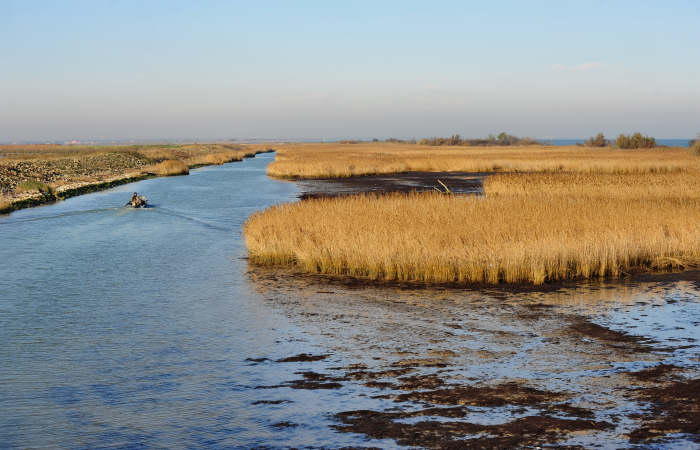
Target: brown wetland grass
x,y
602,217
170,167
336,160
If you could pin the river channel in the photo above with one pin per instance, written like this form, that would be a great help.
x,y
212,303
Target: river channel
x,y
149,328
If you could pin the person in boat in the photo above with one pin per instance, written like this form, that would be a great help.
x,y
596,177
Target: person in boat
x,y
137,201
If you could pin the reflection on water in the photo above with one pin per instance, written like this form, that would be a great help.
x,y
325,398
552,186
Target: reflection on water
x,y
580,343
127,327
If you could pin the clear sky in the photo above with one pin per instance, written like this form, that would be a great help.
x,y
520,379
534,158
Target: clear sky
x,y
327,69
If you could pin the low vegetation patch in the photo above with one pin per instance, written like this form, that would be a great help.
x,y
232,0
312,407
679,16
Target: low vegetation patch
x,y
635,140
527,229
34,186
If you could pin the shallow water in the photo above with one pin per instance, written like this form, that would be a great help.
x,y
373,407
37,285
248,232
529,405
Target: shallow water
x,y
124,327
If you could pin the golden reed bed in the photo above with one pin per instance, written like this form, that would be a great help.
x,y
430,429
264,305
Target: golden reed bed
x,y
344,160
528,228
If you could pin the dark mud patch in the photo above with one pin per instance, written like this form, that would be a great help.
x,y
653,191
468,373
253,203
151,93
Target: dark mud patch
x,y
619,340
290,274
255,361
655,374
270,402
421,362
525,431
373,375
313,380
675,409
498,395
284,425
571,410
430,381
458,182
303,357
310,381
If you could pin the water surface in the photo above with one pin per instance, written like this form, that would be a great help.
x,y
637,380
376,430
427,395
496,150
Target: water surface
x,y
148,328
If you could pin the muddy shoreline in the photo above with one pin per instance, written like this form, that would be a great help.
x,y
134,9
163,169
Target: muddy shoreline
x,y
404,182
625,386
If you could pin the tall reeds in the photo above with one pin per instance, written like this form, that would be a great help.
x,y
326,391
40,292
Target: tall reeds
x,y
338,160
169,167
526,229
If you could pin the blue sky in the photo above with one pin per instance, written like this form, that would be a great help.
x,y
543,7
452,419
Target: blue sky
x,y
242,69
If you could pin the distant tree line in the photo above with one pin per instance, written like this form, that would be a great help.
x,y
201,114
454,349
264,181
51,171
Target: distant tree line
x,y
626,141
502,139
597,141
635,140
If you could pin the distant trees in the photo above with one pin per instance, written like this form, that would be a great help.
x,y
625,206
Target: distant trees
x,y
597,141
635,140
694,145
399,141
502,139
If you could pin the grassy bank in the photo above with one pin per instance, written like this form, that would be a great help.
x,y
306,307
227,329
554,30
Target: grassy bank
x,y
344,160
528,228
37,174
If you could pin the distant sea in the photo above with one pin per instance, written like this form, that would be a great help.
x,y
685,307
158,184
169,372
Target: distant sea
x,y
667,142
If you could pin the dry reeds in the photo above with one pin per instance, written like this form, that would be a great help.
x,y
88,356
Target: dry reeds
x,y
169,167
338,160
526,229
216,158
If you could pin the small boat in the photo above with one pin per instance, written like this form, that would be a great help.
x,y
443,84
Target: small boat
x,y
137,201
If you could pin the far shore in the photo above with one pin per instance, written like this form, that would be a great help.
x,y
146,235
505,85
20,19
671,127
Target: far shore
x,y
35,175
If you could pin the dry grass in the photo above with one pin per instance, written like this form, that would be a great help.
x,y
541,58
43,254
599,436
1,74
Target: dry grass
x,y
33,186
526,229
169,167
599,186
339,160
217,158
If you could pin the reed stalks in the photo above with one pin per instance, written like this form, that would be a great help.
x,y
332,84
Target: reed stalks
x,y
169,167
528,228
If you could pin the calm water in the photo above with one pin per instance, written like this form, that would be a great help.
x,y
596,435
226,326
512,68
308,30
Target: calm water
x,y
148,328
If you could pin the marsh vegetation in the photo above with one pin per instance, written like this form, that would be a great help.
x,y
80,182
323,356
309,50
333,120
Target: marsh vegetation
x,y
308,161
558,214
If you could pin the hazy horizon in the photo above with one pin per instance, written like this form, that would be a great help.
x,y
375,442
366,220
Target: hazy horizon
x,y
311,70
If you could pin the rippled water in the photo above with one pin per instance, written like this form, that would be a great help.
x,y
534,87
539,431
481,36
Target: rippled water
x,y
125,327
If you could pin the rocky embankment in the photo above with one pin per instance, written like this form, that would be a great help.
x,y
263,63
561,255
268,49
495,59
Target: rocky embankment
x,y
67,170
65,177
37,174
